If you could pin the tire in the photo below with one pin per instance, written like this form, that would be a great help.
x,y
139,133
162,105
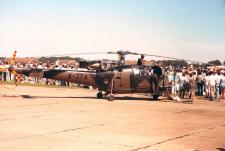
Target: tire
x,y
111,97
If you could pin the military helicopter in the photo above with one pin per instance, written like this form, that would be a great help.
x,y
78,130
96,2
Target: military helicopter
x,y
109,77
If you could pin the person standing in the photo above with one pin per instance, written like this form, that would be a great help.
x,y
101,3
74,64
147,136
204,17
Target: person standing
x,y
182,82
222,86
200,83
191,82
206,84
217,85
212,84
156,74
140,61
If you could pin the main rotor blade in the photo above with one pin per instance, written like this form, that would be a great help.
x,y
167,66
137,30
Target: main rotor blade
x,y
121,52
174,58
166,57
75,54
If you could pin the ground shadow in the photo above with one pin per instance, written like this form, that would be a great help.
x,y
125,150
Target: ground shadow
x,y
119,98
126,98
220,149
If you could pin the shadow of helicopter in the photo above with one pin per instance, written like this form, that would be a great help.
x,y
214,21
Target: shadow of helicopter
x,y
125,98
221,149
122,98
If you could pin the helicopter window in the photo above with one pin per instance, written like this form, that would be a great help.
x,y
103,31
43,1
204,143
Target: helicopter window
x,y
136,71
120,70
105,65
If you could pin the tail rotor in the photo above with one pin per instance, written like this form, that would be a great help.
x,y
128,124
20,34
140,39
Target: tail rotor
x,y
17,77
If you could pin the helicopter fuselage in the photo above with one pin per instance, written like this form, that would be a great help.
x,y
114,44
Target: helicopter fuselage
x,y
131,80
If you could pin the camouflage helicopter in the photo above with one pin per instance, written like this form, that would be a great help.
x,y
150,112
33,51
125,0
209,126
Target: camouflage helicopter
x,y
109,77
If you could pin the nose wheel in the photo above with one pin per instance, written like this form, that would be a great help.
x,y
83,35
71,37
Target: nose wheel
x,y
108,94
99,95
155,96
110,97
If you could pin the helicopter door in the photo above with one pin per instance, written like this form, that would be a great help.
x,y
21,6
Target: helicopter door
x,y
122,82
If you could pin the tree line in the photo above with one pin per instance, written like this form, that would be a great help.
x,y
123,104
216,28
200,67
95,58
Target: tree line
x,y
175,63
182,63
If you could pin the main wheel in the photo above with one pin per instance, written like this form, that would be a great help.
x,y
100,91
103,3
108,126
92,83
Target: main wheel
x,y
111,97
99,95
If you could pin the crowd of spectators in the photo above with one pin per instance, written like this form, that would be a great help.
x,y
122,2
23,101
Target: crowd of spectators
x,y
188,82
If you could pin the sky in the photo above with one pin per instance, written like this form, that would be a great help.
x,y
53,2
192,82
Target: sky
x,y
188,29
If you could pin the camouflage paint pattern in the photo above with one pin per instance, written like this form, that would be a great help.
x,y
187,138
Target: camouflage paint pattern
x,y
132,80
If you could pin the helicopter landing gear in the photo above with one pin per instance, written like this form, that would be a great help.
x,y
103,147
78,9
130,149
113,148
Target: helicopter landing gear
x,y
99,95
110,97
155,96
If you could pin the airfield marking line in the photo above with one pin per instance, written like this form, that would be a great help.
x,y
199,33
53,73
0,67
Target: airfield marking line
x,y
42,115
80,111
69,130
178,137
99,142
7,119
43,104
183,111
74,129
35,105
56,132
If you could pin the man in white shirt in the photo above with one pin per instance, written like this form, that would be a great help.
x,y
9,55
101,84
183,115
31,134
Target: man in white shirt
x,y
206,82
173,79
40,66
212,84
182,81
